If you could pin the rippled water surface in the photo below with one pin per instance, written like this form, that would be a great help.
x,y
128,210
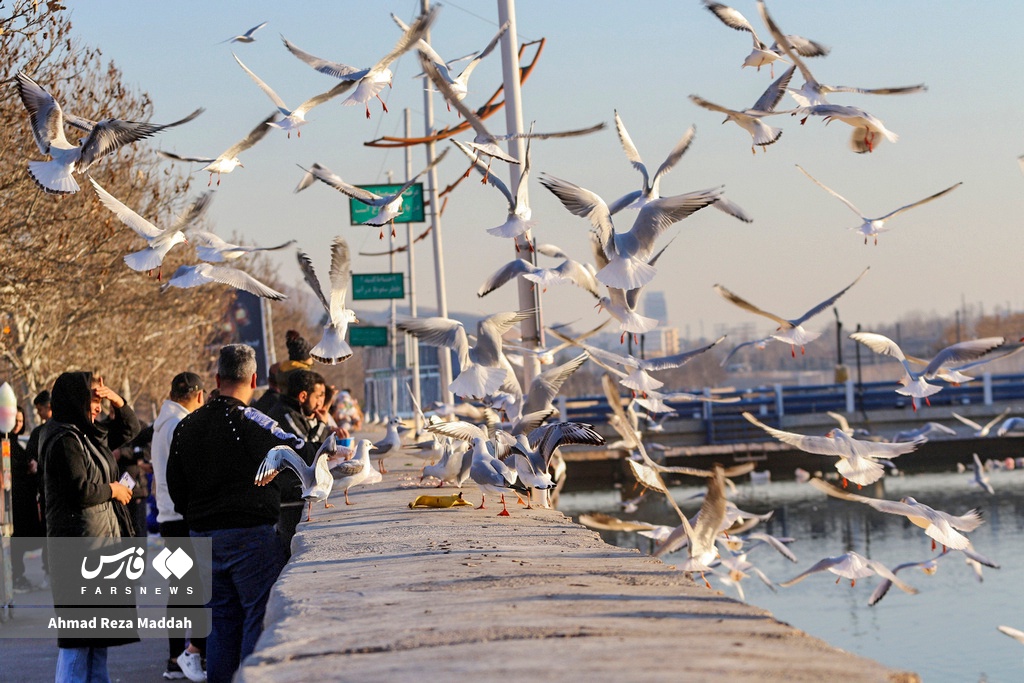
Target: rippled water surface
x,y
947,632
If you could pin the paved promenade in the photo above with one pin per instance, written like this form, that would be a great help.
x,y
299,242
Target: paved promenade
x,y
377,591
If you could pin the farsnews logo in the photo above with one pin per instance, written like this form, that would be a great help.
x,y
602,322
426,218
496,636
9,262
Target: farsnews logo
x,y
130,564
178,563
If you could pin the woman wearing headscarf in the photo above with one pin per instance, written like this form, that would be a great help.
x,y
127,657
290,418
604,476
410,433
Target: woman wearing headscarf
x,y
80,480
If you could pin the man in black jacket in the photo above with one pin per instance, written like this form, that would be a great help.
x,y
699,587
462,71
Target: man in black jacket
x,y
211,473
297,413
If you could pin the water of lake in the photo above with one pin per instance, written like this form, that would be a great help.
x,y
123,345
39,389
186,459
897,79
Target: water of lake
x,y
947,632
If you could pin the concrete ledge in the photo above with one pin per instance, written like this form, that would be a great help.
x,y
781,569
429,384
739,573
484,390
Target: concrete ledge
x,y
377,591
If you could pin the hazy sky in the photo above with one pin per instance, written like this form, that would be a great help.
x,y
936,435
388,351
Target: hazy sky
x,y
643,59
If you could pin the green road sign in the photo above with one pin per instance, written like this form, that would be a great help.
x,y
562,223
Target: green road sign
x,y
378,286
366,335
412,204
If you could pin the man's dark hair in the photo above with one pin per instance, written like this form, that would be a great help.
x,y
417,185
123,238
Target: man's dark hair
x,y
237,362
184,385
42,398
303,380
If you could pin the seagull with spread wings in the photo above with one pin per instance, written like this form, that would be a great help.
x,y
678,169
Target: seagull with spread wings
x,y
104,137
293,118
228,160
763,54
519,220
870,227
852,566
388,206
370,81
332,347
750,119
316,479
792,331
247,37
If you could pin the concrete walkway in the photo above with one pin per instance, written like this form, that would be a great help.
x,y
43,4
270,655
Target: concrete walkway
x,y
377,591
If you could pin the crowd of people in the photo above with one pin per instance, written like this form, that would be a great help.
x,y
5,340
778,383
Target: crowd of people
x,y
197,461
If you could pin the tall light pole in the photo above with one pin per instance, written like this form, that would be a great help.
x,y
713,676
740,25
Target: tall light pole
x,y
413,352
444,357
529,295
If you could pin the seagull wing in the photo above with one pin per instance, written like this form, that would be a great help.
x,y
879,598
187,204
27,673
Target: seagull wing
x,y
772,95
133,220
336,69
306,266
964,351
110,135
316,100
280,457
340,276
481,166
586,204
325,175
829,301
510,270
178,157
464,76
819,566
746,305
254,136
832,192
44,113
462,431
677,360
630,149
919,203
203,273
820,445
733,19
278,102
674,156
656,216
440,332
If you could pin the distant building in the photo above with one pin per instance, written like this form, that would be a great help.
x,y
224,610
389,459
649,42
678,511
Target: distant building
x,y
663,341
654,306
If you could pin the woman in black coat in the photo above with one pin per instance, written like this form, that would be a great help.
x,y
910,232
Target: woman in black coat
x,y
80,479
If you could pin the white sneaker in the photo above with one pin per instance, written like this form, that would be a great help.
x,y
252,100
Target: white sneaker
x,y
192,666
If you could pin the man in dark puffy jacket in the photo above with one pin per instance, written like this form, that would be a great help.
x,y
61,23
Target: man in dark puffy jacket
x,y
211,472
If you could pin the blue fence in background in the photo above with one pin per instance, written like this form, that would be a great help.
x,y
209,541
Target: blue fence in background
x,y
724,423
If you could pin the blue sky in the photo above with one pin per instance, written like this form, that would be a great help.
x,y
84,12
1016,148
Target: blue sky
x,y
643,59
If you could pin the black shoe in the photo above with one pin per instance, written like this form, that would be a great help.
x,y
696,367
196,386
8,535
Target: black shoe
x,y
22,585
173,672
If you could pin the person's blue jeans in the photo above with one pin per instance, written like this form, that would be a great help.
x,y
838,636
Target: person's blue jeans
x,y
82,665
246,563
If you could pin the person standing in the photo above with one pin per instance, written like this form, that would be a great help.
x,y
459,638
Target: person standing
x,y
185,397
211,471
297,414
41,403
80,479
28,527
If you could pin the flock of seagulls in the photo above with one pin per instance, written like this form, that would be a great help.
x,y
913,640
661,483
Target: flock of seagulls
x,y
508,440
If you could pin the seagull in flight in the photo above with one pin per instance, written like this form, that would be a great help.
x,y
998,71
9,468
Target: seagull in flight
x,y
872,226
214,249
293,118
246,37
459,84
104,137
852,566
941,527
369,82
332,347
763,54
228,160
651,188
858,460
389,206
913,383
789,331
158,241
519,220
628,252
750,119
199,274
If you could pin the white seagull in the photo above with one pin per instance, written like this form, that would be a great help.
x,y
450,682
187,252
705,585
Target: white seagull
x,y
628,252
929,567
227,161
980,478
159,241
763,54
369,82
104,137
870,227
332,347
981,431
246,37
358,470
568,271
852,566
214,249
293,118
390,444
913,383
750,119
519,220
388,206
858,460
1014,633
316,479
200,274
459,84
651,188
939,526
792,331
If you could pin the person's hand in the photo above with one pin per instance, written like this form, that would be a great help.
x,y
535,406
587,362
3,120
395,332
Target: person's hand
x,y
342,433
33,467
145,467
120,493
103,391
